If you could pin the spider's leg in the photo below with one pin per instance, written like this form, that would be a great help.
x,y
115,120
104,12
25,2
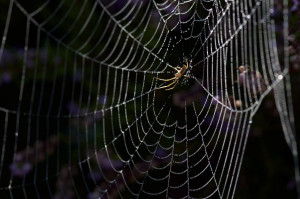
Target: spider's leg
x,y
176,68
187,76
167,85
166,80
173,86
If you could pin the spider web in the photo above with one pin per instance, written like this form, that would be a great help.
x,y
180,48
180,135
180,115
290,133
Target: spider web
x,y
84,117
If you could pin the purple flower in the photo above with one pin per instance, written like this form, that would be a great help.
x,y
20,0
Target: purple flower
x,y
103,99
162,156
19,157
73,108
91,119
93,195
95,175
77,76
161,153
20,169
295,6
7,57
117,164
144,2
107,162
216,99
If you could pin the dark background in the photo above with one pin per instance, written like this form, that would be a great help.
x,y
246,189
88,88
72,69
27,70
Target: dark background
x,y
267,168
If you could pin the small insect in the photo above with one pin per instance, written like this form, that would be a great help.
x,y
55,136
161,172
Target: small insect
x,y
178,75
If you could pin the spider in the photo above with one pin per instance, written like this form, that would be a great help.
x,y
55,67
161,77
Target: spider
x,y
180,73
